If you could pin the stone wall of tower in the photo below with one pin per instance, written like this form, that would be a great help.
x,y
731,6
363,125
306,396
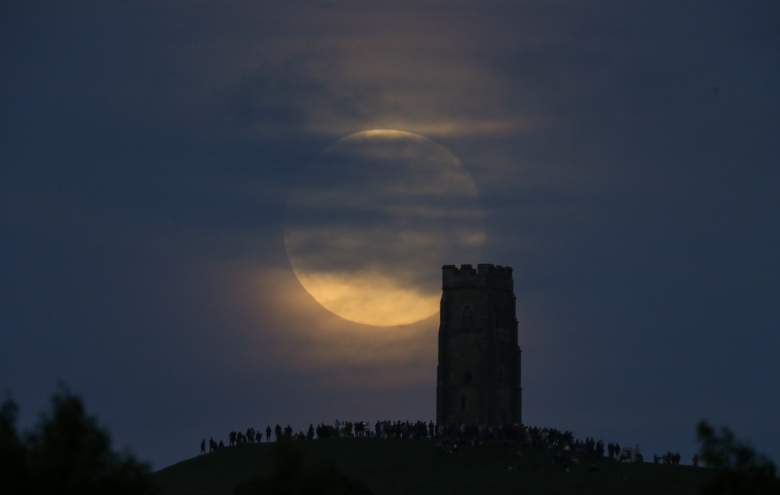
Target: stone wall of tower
x,y
478,375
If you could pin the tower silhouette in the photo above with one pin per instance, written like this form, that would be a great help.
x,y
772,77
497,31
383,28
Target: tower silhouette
x,y
478,374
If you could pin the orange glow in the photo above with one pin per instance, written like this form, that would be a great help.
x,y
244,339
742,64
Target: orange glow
x,y
369,298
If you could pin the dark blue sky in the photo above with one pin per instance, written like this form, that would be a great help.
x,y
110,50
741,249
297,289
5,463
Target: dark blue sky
x,y
626,159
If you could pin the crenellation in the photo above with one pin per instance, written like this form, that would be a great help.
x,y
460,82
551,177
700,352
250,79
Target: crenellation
x,y
485,275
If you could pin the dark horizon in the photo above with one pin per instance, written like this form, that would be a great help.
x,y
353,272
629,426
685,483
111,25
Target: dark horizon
x,y
166,188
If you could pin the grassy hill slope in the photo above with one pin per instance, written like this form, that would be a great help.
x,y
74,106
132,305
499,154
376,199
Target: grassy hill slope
x,y
418,467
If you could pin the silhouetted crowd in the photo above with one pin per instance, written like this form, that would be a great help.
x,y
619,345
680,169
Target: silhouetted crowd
x,y
672,458
400,430
560,446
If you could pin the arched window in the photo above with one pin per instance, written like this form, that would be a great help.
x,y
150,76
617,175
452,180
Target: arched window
x,y
468,318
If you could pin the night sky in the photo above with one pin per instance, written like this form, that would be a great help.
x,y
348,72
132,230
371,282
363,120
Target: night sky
x,y
624,154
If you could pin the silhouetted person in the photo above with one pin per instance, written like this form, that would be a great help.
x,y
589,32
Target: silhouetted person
x,y
268,433
288,431
278,432
258,437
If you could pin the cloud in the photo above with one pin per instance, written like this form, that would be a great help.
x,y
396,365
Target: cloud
x,y
349,69
294,332
381,209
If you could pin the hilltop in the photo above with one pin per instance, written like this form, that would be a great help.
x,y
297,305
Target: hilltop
x,y
420,467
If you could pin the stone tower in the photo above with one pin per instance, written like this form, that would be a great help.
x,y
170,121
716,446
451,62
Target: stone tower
x,y
478,376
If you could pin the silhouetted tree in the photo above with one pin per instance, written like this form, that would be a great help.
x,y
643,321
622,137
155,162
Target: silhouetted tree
x,y
743,471
12,453
67,452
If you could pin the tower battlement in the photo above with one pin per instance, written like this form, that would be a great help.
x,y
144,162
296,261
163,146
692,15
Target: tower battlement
x,y
485,275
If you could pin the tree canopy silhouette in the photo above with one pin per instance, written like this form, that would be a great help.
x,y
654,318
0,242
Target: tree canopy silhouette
x,y
67,452
743,471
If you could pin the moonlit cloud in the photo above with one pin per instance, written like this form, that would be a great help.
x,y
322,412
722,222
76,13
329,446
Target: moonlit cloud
x,y
337,352
363,232
370,298
159,159
362,73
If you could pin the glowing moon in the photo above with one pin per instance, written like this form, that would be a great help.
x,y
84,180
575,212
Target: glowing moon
x,y
372,221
